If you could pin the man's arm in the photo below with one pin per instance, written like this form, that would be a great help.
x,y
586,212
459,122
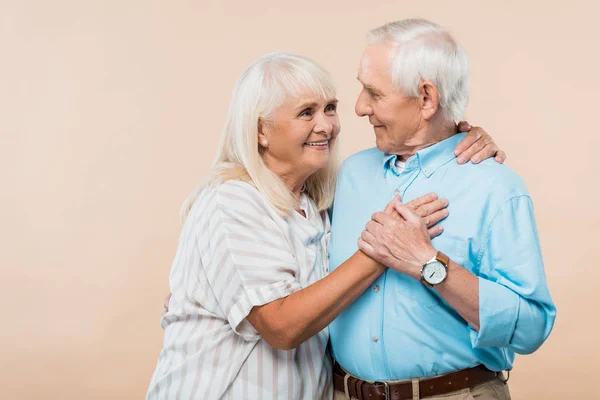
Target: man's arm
x,y
509,304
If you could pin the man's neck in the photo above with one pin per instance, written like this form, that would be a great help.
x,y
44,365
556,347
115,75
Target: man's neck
x,y
430,135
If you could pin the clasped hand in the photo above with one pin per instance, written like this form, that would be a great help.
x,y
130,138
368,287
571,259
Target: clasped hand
x,y
400,236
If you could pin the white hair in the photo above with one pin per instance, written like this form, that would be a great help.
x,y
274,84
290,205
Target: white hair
x,y
259,91
426,51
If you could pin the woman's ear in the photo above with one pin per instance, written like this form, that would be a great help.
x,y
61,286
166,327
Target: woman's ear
x,y
262,133
430,99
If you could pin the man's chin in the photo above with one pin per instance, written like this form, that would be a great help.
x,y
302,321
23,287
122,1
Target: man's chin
x,y
382,146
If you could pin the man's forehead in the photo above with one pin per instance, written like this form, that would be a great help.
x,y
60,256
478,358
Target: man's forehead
x,y
375,62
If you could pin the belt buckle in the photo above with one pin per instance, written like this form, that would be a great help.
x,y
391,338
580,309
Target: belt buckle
x,y
386,388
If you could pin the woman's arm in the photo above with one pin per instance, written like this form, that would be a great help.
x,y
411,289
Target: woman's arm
x,y
286,323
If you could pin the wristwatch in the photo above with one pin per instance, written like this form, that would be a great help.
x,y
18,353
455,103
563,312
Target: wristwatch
x,y
435,270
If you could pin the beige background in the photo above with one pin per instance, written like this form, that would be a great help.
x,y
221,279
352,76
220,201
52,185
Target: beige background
x,y
110,113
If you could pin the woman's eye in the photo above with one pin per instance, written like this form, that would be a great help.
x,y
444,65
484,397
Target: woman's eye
x,y
306,113
330,108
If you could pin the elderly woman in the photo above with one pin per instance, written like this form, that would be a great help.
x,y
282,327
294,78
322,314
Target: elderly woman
x,y
251,294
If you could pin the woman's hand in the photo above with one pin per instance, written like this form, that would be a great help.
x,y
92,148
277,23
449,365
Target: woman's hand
x,y
399,241
431,210
477,146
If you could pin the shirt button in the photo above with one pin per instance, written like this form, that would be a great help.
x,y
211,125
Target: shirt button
x,y
376,288
376,339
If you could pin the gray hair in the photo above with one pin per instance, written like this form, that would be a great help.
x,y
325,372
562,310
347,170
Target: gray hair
x,y
259,91
426,51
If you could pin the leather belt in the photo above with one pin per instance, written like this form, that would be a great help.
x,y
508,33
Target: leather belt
x,y
428,387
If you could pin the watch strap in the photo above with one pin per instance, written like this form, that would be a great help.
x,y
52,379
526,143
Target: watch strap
x,y
442,258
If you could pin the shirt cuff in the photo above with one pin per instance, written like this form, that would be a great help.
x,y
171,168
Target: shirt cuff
x,y
498,313
257,297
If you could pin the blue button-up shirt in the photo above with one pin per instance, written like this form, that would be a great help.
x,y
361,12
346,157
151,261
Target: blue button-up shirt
x,y
401,329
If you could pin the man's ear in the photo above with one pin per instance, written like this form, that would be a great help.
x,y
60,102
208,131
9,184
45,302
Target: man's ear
x,y
430,99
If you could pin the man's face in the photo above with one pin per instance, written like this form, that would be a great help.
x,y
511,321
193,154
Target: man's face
x,y
395,117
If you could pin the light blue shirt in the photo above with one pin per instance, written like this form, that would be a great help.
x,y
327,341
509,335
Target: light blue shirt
x,y
401,329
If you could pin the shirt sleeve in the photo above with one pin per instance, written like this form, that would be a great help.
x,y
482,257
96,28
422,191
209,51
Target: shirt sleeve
x,y
515,307
251,262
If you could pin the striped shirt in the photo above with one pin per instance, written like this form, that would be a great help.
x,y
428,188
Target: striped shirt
x,y
235,252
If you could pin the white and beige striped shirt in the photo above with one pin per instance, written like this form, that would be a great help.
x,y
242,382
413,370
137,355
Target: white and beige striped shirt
x,y
235,252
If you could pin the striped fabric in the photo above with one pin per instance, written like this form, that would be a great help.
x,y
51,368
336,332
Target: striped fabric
x,y
235,252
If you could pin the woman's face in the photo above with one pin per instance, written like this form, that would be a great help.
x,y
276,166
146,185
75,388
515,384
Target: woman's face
x,y
298,139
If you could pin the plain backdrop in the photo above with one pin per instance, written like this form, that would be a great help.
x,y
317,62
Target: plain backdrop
x,y
110,112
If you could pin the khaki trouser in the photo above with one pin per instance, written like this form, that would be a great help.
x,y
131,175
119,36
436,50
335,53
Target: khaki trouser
x,y
496,389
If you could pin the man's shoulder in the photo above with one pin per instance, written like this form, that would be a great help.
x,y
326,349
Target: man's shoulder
x,y
372,157
499,179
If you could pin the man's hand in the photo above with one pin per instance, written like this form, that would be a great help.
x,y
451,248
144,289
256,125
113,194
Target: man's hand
x,y
166,304
401,242
477,146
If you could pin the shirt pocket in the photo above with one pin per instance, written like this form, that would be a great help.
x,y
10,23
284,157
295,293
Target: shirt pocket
x,y
416,293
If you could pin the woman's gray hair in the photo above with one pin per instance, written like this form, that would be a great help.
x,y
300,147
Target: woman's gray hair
x,y
426,51
259,91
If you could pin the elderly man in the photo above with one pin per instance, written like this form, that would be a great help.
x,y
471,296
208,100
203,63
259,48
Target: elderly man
x,y
449,314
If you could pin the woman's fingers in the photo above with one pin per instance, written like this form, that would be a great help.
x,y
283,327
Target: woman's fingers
x,y
469,153
420,201
500,156
464,126
432,207
434,218
435,231
473,136
488,151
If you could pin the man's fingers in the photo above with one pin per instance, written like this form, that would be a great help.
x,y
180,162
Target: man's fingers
x,y
436,217
368,237
365,247
435,231
407,213
415,204
389,209
373,227
383,218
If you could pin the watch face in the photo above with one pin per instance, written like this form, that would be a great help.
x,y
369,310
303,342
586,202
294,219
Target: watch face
x,y
434,272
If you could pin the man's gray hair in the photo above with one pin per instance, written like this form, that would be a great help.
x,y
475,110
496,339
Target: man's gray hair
x,y
426,51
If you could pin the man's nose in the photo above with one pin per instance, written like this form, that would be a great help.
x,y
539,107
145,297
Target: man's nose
x,y
362,107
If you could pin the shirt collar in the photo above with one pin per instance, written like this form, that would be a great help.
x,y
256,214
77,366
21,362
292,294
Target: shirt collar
x,y
429,159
